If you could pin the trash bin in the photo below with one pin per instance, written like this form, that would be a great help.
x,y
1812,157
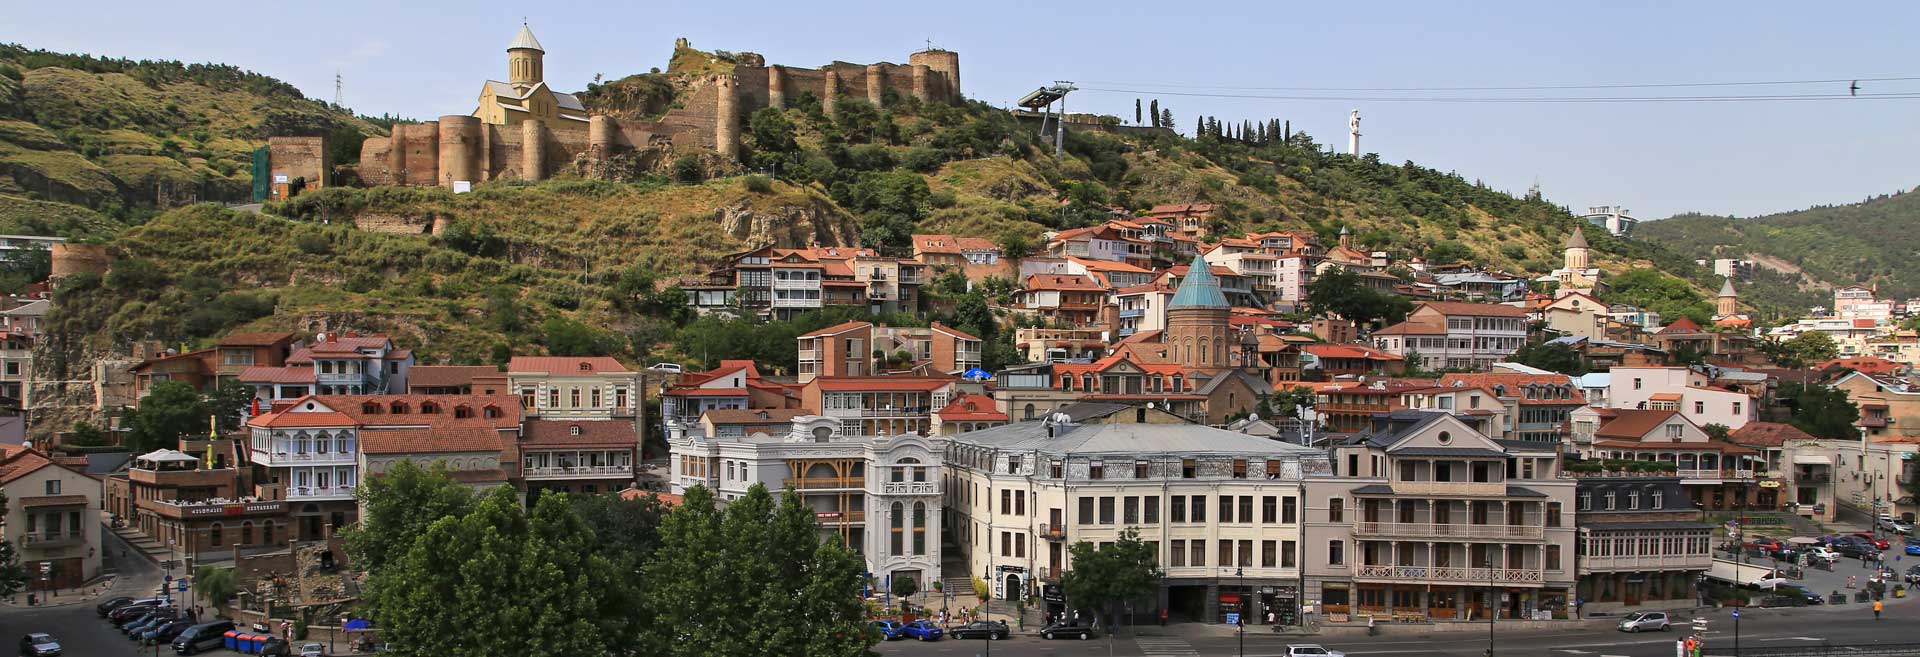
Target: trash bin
x,y
228,641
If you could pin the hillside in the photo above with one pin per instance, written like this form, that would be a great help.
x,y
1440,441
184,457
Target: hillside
x,y
119,136
1870,242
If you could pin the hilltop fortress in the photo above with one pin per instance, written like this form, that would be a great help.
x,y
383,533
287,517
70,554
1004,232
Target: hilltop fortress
x,y
524,130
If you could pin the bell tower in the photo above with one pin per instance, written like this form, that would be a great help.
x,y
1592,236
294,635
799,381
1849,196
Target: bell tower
x,y
525,65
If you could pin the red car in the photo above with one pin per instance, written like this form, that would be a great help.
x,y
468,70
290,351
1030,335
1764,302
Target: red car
x,y
1879,543
1764,543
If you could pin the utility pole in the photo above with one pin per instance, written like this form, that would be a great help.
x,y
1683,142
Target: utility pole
x,y
339,87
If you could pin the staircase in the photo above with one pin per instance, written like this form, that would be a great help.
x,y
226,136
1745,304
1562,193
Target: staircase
x,y
154,550
957,585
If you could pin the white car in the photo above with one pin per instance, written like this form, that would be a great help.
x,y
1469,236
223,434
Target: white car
x,y
1822,553
666,367
1314,649
313,650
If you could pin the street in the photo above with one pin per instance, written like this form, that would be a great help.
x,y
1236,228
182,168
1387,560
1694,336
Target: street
x,y
81,631
1840,625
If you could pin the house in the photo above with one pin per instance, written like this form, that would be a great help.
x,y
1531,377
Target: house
x,y
1190,218
950,251
879,405
1887,405
1075,300
1721,347
1686,390
1718,475
1539,406
1329,361
852,349
1643,543
968,412
734,385
1807,478
1102,242
1456,335
53,519
1577,314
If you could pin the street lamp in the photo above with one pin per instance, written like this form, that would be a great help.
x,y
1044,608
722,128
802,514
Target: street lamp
x,y
1241,573
1492,613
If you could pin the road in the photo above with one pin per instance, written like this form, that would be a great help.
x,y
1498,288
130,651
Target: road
x,y
1839,625
79,629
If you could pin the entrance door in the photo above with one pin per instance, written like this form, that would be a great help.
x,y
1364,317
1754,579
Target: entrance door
x,y
1012,591
1632,592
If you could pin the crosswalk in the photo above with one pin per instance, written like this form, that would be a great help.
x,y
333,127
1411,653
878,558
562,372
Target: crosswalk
x,y
1153,646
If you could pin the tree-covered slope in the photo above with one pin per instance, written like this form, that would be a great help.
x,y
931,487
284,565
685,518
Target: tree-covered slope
x,y
1872,242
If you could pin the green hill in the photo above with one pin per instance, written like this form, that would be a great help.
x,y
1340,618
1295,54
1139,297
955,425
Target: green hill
x,y
120,136
1870,242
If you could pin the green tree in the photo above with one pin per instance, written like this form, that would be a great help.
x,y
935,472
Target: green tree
x,y
1014,245
1288,403
626,531
686,597
215,584
1553,357
1342,292
1136,111
228,401
570,337
1717,431
1153,112
1104,579
397,506
13,577
171,410
1820,410
1166,119
1804,350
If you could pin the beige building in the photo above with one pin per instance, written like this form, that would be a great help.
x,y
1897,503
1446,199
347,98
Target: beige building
x,y
525,95
52,518
1222,509
1426,517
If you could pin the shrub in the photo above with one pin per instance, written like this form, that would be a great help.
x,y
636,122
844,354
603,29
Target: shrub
x,y
759,184
688,169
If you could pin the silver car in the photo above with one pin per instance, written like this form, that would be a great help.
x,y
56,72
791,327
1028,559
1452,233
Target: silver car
x,y
1642,621
1312,650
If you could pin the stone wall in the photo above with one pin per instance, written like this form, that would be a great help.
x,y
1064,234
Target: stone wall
x,y
297,158
69,258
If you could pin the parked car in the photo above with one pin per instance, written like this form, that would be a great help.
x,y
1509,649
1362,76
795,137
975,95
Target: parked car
x,y
275,647
132,609
983,630
889,629
152,634
170,631
313,650
1077,629
134,631
111,604
1892,524
922,630
201,637
39,644
1311,650
1793,596
666,367
1764,544
1822,553
1913,574
1877,542
1853,549
1641,621
151,614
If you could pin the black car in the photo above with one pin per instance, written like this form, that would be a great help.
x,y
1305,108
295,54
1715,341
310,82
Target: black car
x,y
201,637
136,619
1070,629
111,604
276,647
1854,548
134,608
989,630
168,632
39,644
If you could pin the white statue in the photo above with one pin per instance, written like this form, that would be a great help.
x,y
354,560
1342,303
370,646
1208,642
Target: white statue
x,y
1353,133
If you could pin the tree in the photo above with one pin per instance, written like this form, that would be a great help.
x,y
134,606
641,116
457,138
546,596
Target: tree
x,y
214,583
172,409
1717,431
1342,292
626,531
1289,402
1104,579
1804,350
570,337
1136,111
228,401
1166,119
1551,356
13,577
1014,245
1153,112
397,506
1820,410
905,587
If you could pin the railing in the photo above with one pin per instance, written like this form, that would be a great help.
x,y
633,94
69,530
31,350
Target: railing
x,y
796,303
1052,532
1635,563
893,412
339,378
809,354
1050,574
319,492
1125,331
818,484
1449,488
1450,574
302,458
1448,530
839,517
1132,312
910,488
913,279
796,284
72,537
1710,473
593,471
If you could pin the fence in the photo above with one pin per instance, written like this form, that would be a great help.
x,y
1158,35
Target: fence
x,y
1852,650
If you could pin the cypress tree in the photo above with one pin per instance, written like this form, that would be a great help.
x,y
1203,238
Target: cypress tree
x,y
1199,126
1136,111
1154,111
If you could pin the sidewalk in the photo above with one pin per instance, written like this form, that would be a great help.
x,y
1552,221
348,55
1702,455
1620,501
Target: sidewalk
x,y
132,576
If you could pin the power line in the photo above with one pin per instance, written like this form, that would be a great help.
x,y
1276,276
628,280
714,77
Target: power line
x,y
1523,99
1530,87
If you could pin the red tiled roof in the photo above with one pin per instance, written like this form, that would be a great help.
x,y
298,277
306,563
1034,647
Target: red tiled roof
x,y
593,433
1680,326
423,441
1516,383
450,376
1347,351
1632,423
291,420
22,462
565,364
708,392
349,344
1474,309
837,328
276,375
668,500
1862,364
971,407
1767,434
1070,282
937,326
1414,327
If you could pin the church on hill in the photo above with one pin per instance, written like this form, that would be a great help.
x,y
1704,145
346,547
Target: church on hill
x,y
1577,274
525,95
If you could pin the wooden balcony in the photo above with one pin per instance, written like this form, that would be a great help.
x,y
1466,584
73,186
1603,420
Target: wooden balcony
x,y
1449,488
1451,530
1449,574
840,517
827,483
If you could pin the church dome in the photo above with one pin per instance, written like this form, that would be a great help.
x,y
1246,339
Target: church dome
x,y
525,40
1200,289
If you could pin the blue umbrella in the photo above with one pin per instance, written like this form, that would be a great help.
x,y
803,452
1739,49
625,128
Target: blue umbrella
x,y
359,624
977,373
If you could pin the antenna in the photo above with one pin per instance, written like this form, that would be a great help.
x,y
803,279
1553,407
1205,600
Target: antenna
x,y
339,95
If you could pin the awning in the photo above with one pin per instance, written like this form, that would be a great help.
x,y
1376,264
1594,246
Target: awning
x,y
1811,459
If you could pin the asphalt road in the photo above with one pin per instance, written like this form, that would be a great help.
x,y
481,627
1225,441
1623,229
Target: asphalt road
x,y
81,631
1839,625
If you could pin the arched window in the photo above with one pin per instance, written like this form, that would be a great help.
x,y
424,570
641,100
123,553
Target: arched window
x,y
1220,352
1086,381
266,533
246,533
920,528
462,411
213,534
397,408
1029,412
429,407
1178,384
1203,349
896,542
1066,382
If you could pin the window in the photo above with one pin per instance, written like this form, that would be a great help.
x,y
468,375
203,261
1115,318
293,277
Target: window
x,y
1177,511
1106,510
1553,513
1097,470
1336,553
1636,383
573,430
1633,500
1006,544
1239,468
1609,501
1286,554
1553,557
1139,469
1699,408
1006,501
1246,508
920,529
1019,503
1226,553
1055,467
1656,502
1586,501
1178,555
1198,554
1269,554
1269,510
1086,511
1186,469
1335,510
1130,510
1246,554
1736,408
1226,508
1199,508
1013,464
1289,510
1151,506
53,486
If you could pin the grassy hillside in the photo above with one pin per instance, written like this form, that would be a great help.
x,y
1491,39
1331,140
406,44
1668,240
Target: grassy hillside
x,y
118,135
1870,242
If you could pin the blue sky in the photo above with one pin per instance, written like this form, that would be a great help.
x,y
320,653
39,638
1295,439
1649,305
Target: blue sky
x,y
422,61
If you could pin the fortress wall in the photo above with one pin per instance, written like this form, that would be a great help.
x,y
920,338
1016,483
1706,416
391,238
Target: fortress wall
x,y
300,157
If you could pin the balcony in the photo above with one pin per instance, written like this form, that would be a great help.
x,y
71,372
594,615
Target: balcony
x,y
1449,530
1053,532
809,355
183,478
340,379
1589,564
893,412
909,278
1812,477
910,488
303,458
796,303
578,472
48,541
1449,488
1423,574
796,284
827,484
1710,474
1128,313
1049,574
319,492
840,517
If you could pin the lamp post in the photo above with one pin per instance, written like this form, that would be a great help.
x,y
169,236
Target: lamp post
x,y
1492,612
1241,630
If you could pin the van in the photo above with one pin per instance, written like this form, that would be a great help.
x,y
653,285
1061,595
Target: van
x,y
201,637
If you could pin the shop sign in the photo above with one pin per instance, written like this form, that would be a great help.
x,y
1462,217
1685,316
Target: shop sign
x,y
235,509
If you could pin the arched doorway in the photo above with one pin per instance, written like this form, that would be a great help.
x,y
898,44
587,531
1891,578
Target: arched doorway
x,y
1012,589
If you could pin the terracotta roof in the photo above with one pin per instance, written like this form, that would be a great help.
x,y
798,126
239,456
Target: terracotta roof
x,y
859,383
21,463
707,392
1178,208
292,420
565,364
1414,327
754,415
971,407
1666,396
421,440
276,375
1864,364
450,376
1767,434
937,326
1474,309
348,343
593,433
837,328
1711,445
1061,282
1347,351
1516,384
1632,423
668,500
254,339
1680,326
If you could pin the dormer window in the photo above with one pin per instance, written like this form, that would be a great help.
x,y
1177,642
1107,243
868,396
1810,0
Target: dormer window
x,y
586,367
398,408
490,411
429,408
370,408
462,411
573,430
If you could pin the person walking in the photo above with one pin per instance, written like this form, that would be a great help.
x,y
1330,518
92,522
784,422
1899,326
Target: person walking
x,y
1876,610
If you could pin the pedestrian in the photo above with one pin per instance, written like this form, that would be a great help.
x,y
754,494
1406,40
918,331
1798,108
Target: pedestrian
x,y
1270,617
1876,610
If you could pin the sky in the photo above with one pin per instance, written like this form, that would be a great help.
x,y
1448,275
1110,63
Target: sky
x,y
422,60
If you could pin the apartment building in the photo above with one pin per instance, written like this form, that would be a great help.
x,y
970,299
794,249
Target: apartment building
x,y
879,405
1027,392
1859,302
734,385
1428,519
582,422
1888,405
1142,308
1071,299
1683,389
1456,335
1222,509
1102,242
1642,543
1056,345
879,495
53,520
19,330
1540,402
204,506
851,349
1246,258
1333,360
1188,218
1716,474
950,251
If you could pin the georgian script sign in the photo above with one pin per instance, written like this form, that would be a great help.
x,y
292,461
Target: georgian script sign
x,y
237,509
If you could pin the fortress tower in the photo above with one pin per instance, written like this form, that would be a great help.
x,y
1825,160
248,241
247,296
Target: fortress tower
x,y
525,60
1197,320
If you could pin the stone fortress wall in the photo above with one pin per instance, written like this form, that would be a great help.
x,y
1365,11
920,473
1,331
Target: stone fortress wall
x,y
708,116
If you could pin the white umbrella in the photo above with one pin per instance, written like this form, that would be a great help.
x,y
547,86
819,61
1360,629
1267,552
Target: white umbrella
x,y
1802,540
